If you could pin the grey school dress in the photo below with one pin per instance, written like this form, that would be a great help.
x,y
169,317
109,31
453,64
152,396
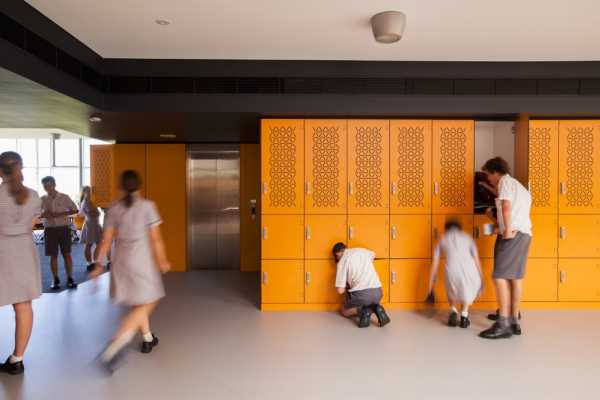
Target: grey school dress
x,y
92,231
463,281
135,278
20,274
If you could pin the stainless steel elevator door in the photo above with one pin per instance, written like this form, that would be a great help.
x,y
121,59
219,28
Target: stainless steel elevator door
x,y
213,206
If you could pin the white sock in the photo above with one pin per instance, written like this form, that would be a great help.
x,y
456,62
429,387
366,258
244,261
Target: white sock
x,y
148,337
116,346
464,314
454,309
14,359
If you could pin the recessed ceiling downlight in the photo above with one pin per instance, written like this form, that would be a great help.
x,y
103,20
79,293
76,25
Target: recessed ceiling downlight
x,y
388,26
168,135
162,22
95,119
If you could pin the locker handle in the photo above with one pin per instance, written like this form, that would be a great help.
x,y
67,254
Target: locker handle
x,y
350,188
563,188
563,276
436,188
476,232
563,232
394,232
307,188
264,187
394,277
264,278
394,188
308,279
308,233
350,232
264,233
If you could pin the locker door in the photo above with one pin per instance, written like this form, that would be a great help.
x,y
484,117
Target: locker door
x,y
102,173
489,291
438,222
370,232
368,166
325,179
544,242
410,166
452,168
541,280
543,166
383,270
410,236
409,279
485,243
282,281
579,279
321,233
282,166
579,236
320,282
282,237
579,169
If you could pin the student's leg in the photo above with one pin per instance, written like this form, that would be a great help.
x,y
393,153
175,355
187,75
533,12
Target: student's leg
x,y
96,252
465,310
24,325
503,295
349,312
516,286
54,266
88,253
68,264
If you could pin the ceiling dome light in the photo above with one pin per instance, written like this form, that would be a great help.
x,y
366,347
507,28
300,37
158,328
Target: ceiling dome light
x,y
388,26
162,22
95,119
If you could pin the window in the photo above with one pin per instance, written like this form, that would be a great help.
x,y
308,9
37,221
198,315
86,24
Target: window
x,y
66,152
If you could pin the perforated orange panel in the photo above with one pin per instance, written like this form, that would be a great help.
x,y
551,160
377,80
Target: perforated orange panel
x,y
102,172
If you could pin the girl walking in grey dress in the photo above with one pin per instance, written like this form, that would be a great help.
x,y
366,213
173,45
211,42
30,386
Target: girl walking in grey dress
x,y
20,273
463,271
139,260
91,234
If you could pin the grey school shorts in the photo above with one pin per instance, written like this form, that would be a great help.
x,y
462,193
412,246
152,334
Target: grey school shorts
x,y
364,297
510,257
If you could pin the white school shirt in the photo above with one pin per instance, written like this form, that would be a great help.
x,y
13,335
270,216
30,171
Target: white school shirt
x,y
356,270
60,203
520,200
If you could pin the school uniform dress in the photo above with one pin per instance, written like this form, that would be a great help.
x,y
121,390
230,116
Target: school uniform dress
x,y
91,233
463,280
135,278
356,271
510,255
20,274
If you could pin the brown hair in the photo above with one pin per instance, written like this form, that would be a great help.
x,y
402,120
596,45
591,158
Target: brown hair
x,y
8,161
496,164
130,183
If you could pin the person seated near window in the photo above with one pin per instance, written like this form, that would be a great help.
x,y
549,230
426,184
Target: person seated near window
x,y
356,276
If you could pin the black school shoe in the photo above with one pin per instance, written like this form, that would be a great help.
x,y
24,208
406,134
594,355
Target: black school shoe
x,y
497,332
494,317
12,368
90,267
382,316
55,285
71,284
364,317
516,329
148,346
464,322
453,320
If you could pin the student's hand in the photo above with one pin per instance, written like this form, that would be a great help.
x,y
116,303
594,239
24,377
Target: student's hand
x,y
509,235
96,272
164,267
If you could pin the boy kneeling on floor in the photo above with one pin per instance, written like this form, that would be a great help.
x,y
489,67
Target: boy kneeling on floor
x,y
356,276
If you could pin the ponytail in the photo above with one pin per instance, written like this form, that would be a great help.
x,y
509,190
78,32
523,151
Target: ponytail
x,y
8,161
130,183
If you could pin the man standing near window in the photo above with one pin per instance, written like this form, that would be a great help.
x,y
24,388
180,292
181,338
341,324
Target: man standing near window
x,y
56,209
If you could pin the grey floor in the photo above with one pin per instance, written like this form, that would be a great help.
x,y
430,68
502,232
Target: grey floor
x,y
215,344
79,267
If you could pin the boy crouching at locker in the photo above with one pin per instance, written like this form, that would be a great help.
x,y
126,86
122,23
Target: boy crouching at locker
x,y
356,276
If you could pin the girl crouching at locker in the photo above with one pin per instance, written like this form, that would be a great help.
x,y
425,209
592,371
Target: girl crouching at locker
x,y
463,272
139,259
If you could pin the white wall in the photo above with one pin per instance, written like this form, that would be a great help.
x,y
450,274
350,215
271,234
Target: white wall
x,y
494,139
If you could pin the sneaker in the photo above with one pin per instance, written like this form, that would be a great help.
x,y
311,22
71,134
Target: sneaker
x,y
453,320
12,368
464,322
382,316
56,284
364,317
148,346
71,284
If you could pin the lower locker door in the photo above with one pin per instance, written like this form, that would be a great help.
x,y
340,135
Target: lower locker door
x,y
319,282
489,291
321,232
282,237
485,243
438,222
383,270
282,281
579,280
579,236
410,236
370,232
409,280
544,242
541,280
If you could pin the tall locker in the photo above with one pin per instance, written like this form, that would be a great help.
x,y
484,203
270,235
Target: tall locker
x,y
543,166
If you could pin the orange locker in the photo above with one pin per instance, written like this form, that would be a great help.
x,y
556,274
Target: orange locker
x,y
579,167
489,291
282,166
370,232
579,236
452,167
383,270
579,279
282,237
485,243
438,222
410,166
543,166
320,282
409,280
321,232
325,164
282,281
544,242
410,236
541,280
102,172
368,166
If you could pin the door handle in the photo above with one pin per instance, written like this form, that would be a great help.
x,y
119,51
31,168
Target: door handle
x,y
264,187
264,233
307,276
350,232
264,278
563,232
350,188
394,232
436,188
394,188
476,232
307,188
563,188
563,276
394,277
307,233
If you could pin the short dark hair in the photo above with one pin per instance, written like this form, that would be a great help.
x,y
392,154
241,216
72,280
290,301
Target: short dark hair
x,y
338,247
452,224
496,164
48,179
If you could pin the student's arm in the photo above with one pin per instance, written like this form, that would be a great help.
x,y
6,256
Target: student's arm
x,y
507,216
341,279
107,239
158,248
434,268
